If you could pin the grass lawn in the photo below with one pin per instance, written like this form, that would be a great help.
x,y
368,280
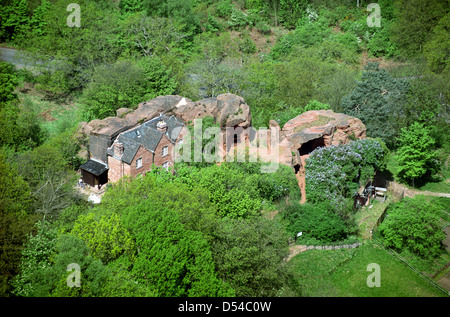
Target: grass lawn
x,y
366,218
342,273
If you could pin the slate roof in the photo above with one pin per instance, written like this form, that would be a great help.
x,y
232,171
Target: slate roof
x,y
147,135
94,167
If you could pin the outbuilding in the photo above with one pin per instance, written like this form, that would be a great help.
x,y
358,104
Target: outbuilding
x,y
94,173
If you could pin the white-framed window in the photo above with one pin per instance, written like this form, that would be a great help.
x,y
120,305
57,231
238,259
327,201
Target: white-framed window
x,y
139,162
165,165
165,151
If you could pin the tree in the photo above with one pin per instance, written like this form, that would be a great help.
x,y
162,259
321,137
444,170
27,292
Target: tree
x,y
64,67
436,49
415,21
316,221
377,101
416,153
413,224
8,82
113,86
249,255
125,84
14,19
176,261
36,256
15,222
103,233
152,35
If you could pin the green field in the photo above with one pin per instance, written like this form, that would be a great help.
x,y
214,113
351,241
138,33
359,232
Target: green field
x,y
343,273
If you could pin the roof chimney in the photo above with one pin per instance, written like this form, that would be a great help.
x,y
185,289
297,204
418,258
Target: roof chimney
x,y
118,149
161,125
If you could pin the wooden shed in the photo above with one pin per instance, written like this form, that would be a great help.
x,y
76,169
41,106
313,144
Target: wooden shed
x,y
94,173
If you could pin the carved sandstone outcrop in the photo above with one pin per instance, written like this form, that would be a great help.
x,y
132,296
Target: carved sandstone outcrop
x,y
317,128
229,110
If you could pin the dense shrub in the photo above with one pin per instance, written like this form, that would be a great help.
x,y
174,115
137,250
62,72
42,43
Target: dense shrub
x,y
338,171
317,221
413,224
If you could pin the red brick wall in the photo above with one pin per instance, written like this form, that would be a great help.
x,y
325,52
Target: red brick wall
x,y
159,159
147,160
118,169
115,169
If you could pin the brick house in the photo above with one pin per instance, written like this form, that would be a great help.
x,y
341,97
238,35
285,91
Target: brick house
x,y
135,150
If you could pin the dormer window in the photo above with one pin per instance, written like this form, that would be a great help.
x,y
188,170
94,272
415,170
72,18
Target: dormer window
x,y
138,134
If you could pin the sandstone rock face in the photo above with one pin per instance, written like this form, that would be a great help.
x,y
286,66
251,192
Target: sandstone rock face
x,y
317,128
229,110
299,136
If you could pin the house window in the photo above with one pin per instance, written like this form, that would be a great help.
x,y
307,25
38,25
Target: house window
x,y
139,163
165,151
165,165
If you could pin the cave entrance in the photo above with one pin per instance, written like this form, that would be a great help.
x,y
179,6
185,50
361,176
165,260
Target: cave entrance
x,y
311,145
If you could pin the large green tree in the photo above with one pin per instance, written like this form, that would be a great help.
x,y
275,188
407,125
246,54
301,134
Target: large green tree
x,y
377,101
414,22
125,84
176,261
250,256
413,224
436,49
15,222
416,154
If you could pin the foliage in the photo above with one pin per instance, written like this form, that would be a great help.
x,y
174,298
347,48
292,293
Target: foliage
x,y
8,82
15,222
415,154
436,49
413,223
377,102
177,262
249,255
125,83
306,34
414,23
103,233
64,67
337,172
316,221
36,256
151,35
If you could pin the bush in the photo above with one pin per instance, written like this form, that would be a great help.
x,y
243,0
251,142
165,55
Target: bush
x,y
315,221
125,84
414,224
336,172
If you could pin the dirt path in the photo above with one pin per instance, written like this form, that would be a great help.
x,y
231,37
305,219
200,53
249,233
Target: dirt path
x,y
398,188
301,179
294,250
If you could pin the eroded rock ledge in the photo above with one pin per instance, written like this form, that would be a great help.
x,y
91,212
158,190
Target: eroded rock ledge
x,y
299,136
